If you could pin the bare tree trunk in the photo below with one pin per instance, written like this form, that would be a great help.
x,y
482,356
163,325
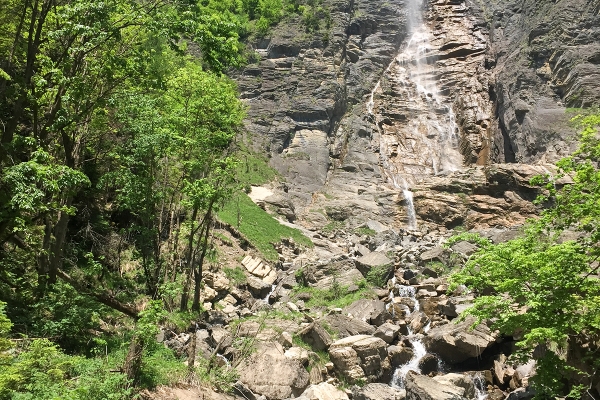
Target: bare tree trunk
x,y
198,268
133,361
192,352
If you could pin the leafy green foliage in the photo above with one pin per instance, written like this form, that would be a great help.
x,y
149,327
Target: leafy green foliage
x,y
260,228
545,288
378,276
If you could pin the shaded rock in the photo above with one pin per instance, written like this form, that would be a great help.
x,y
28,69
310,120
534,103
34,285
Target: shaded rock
x,y
316,336
455,343
400,355
428,364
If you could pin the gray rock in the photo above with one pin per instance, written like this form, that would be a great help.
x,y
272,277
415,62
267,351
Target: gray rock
x,y
372,260
455,343
464,248
268,372
316,336
435,254
346,326
387,331
372,311
420,387
377,391
257,287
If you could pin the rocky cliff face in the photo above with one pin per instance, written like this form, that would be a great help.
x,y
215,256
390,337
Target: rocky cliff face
x,y
544,56
396,96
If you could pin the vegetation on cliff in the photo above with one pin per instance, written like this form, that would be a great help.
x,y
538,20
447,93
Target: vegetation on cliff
x,y
544,288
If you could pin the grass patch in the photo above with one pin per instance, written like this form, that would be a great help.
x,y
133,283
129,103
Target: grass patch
x,y
258,227
364,231
329,298
254,169
333,226
235,275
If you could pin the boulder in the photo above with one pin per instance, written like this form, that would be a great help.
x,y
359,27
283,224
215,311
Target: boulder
x,y
299,354
374,259
360,357
420,387
323,391
372,311
388,332
400,355
463,381
257,287
377,391
436,254
347,326
417,321
428,364
455,343
464,248
316,336
270,373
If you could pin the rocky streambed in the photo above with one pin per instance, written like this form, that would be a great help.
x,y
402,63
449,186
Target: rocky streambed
x,y
314,325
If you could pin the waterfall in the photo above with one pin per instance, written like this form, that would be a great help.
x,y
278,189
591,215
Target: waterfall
x,y
427,143
416,342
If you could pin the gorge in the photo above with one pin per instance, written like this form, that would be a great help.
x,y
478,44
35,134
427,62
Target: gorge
x,y
300,199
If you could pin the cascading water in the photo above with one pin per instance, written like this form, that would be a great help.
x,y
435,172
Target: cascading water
x,y
268,296
415,340
479,382
426,143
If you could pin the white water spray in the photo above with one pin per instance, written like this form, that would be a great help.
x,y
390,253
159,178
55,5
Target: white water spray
x,y
427,144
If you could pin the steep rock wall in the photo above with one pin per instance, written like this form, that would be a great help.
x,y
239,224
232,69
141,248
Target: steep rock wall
x,y
545,57
332,108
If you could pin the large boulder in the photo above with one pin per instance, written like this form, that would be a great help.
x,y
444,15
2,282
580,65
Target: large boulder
x,y
460,380
270,373
257,287
323,391
377,391
388,332
455,343
372,260
316,336
360,357
372,311
420,387
347,326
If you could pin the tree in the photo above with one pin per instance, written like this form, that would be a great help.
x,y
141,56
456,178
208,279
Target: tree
x,y
545,286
